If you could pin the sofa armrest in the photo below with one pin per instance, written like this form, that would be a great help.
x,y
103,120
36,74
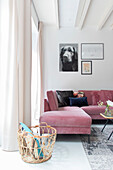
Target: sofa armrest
x,y
52,99
46,106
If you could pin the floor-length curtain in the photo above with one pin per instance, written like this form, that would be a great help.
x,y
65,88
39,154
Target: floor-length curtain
x,y
41,68
0,71
39,95
15,69
9,77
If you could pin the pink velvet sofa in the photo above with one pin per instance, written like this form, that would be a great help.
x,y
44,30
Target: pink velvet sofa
x,y
74,120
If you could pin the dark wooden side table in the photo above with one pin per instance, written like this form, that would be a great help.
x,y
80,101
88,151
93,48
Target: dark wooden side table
x,y
109,118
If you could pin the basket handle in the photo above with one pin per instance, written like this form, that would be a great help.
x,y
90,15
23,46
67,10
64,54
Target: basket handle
x,y
43,123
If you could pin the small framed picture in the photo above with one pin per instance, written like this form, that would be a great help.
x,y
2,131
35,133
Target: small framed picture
x,y
92,51
86,67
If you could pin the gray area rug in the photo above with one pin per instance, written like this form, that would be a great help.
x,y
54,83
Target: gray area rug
x,y
100,150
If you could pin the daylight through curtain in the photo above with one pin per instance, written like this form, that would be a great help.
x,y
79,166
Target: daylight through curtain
x,y
15,69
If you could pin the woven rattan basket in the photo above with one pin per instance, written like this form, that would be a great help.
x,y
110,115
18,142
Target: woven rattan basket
x,y
37,148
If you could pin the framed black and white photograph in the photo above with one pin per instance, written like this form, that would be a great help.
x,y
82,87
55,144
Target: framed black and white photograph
x,y
86,67
92,51
68,57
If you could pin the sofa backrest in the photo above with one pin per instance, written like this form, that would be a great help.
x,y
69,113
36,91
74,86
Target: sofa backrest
x,y
88,94
108,91
104,95
52,102
52,99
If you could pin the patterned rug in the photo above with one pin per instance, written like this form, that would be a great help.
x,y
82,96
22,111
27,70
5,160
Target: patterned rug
x,y
100,150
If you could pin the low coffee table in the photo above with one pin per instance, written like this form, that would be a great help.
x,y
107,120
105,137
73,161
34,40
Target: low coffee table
x,y
109,118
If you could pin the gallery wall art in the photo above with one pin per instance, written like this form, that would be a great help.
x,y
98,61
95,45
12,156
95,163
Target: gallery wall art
x,y
86,67
92,51
68,57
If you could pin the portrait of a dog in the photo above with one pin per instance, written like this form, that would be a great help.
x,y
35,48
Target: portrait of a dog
x,y
68,57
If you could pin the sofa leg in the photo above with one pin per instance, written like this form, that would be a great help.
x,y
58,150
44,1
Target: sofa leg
x,y
88,139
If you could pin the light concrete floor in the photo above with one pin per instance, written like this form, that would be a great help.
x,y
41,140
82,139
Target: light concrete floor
x,y
68,154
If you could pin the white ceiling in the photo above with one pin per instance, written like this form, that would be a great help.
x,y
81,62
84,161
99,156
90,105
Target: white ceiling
x,y
96,14
68,12
46,11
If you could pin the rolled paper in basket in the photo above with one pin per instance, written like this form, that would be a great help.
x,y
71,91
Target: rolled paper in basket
x,y
31,134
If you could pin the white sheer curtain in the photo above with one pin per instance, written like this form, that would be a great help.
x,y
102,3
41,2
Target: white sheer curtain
x,y
0,74
40,56
15,69
35,67
10,79
39,93
37,75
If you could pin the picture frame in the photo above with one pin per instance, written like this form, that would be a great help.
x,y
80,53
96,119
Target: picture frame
x,y
92,51
68,57
86,67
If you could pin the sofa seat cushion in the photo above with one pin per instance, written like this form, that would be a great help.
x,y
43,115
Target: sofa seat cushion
x,y
68,108
76,118
94,109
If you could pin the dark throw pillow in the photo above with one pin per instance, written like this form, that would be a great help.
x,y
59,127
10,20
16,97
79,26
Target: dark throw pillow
x,y
82,101
63,97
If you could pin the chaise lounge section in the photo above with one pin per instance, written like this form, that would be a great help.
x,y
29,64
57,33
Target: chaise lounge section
x,y
68,122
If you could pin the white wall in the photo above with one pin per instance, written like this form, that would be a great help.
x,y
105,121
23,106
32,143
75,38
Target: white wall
x,y
0,76
102,70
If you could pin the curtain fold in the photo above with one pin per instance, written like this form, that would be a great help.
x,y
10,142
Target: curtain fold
x,y
20,56
40,63
0,73
39,95
10,119
15,61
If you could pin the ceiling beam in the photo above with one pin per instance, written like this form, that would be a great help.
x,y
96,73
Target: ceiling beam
x,y
105,17
82,13
35,10
34,14
56,3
